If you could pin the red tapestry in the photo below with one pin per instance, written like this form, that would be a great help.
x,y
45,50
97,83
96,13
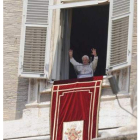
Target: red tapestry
x,y
76,100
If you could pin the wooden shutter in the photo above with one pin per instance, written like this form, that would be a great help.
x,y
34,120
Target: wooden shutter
x,y
34,39
120,34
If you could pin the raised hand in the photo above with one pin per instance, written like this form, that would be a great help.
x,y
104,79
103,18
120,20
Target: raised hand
x,y
94,52
70,53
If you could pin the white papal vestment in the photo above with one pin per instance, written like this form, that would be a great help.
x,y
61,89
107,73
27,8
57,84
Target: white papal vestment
x,y
84,71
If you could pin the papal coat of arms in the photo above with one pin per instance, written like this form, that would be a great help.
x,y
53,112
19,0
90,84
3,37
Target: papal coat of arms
x,y
73,130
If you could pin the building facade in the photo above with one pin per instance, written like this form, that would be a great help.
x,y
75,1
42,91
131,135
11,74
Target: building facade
x,y
27,87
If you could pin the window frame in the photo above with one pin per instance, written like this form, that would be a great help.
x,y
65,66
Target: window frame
x,y
56,75
73,4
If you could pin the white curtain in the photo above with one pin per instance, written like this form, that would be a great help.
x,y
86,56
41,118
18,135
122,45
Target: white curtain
x,y
66,30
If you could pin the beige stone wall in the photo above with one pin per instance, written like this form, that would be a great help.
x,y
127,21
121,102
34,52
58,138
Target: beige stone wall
x,y
133,75
15,89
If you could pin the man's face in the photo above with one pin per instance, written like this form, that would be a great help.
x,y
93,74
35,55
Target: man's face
x,y
85,61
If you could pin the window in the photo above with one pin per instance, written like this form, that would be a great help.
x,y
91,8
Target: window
x,y
89,30
118,45
36,33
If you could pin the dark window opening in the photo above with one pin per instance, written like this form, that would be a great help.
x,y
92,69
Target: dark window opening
x,y
89,29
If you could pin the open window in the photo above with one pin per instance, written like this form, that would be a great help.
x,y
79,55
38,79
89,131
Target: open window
x,y
106,26
89,30
35,36
82,32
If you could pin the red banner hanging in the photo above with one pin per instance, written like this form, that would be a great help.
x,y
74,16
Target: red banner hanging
x,y
75,100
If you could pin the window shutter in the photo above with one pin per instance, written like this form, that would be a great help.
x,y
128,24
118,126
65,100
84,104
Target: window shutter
x,y
34,47
120,34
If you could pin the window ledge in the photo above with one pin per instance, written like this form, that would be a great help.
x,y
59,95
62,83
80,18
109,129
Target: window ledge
x,y
38,105
48,90
105,84
113,97
103,98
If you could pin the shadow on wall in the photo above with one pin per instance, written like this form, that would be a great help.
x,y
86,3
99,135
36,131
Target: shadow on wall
x,y
22,96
